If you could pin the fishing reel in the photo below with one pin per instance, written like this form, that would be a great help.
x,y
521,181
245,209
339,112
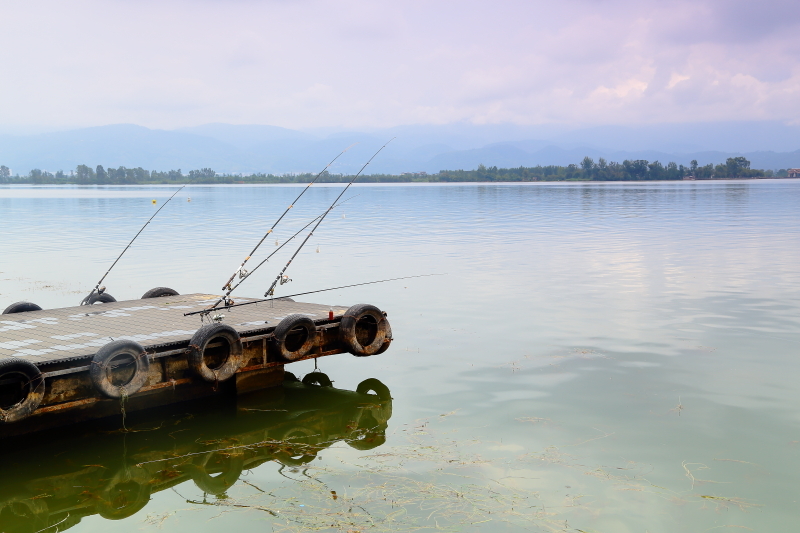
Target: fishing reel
x,y
206,314
285,279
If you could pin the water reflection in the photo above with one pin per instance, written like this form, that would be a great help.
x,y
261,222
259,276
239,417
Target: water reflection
x,y
55,480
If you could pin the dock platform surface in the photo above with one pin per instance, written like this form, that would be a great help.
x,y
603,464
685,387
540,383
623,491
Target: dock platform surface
x,y
76,333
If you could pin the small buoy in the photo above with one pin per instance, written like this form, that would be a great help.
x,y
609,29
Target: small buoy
x,y
330,314
154,202
276,242
188,198
344,216
317,249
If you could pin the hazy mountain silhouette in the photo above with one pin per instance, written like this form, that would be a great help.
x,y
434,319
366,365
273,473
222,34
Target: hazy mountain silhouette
x,y
271,149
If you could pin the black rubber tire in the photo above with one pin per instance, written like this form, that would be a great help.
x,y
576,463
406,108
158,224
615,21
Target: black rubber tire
x,y
387,341
350,330
159,292
289,377
278,341
100,369
376,386
20,307
199,343
114,503
218,484
317,379
104,298
35,383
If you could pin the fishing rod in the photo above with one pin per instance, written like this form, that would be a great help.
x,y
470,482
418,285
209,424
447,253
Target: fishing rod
x,y
100,290
229,306
241,271
278,249
281,277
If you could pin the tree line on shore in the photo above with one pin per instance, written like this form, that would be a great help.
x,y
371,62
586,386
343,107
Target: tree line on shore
x,y
587,170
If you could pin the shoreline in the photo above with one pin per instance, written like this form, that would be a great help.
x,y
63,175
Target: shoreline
x,y
25,185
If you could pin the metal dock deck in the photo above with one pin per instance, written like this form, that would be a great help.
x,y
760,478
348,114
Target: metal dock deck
x,y
75,333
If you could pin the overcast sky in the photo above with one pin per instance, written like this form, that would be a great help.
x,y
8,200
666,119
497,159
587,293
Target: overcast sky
x,y
376,63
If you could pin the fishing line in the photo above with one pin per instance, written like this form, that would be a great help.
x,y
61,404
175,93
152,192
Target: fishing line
x,y
240,271
97,287
205,311
280,277
287,241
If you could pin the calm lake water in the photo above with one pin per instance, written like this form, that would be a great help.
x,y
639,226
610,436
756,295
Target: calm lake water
x,y
595,357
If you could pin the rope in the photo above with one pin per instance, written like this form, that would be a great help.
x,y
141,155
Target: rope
x,y
122,399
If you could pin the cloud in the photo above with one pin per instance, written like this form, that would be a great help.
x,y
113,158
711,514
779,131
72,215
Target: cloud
x,y
358,63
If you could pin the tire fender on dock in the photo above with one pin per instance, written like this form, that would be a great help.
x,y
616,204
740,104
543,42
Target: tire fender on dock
x,y
103,298
159,292
20,307
364,330
291,344
388,338
199,345
103,363
32,389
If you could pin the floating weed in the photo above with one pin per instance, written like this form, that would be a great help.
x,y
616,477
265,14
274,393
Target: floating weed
x,y
678,408
738,461
690,473
445,484
725,503
158,519
532,419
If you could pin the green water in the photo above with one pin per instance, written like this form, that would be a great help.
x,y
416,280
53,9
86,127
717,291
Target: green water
x,y
596,357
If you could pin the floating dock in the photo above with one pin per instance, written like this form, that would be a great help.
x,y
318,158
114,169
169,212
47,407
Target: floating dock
x,y
60,366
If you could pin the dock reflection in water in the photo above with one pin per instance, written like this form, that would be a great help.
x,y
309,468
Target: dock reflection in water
x,y
49,479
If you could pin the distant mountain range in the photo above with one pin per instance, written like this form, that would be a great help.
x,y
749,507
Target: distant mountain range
x,y
270,149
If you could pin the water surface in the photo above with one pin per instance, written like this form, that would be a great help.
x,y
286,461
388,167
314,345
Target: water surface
x,y
596,357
